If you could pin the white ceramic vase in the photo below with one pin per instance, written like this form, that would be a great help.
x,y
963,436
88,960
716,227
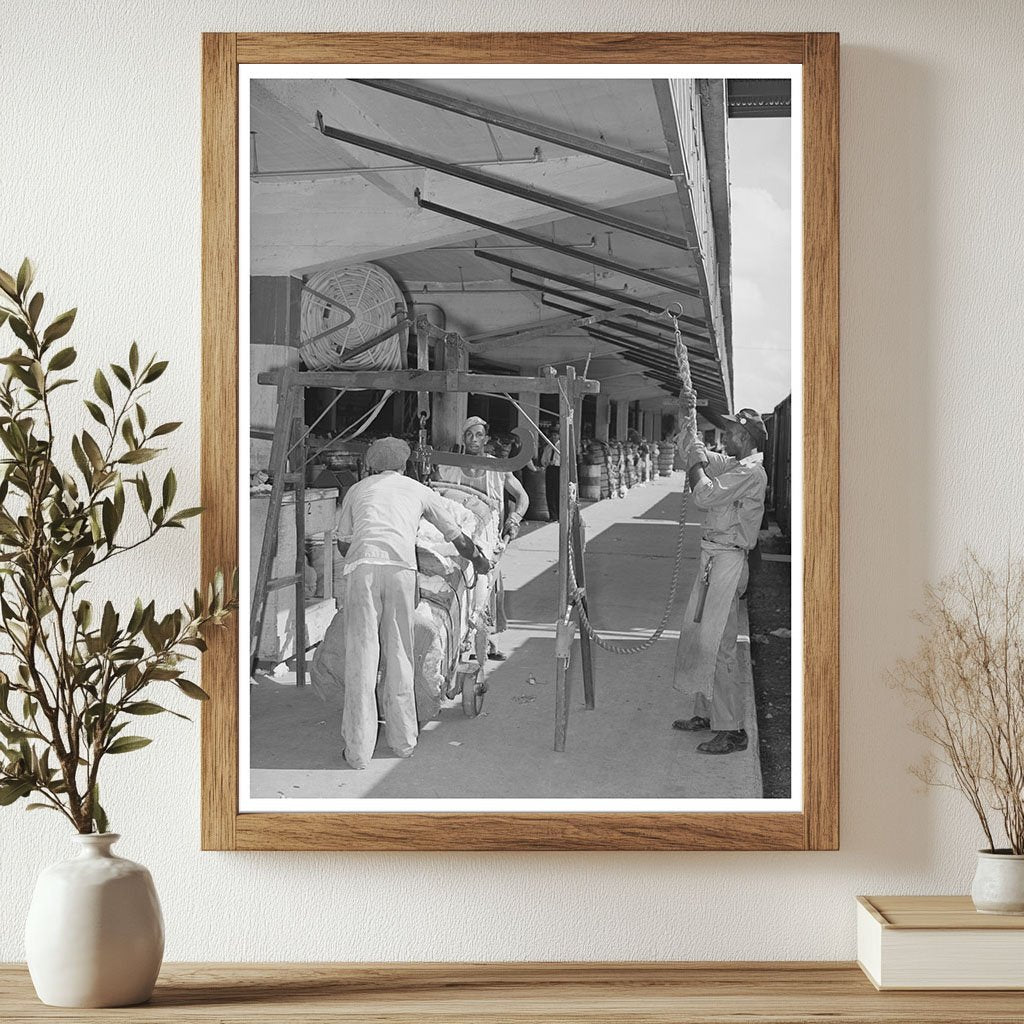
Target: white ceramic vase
x,y
95,934
999,883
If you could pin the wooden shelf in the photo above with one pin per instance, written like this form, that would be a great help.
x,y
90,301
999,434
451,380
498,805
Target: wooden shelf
x,y
793,993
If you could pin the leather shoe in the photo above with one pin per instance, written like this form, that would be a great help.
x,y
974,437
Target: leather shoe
x,y
695,724
495,655
725,741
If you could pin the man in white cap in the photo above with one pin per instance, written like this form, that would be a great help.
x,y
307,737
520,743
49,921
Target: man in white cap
x,y
475,435
376,532
731,489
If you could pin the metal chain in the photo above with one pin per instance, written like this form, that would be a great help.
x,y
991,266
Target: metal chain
x,y
576,594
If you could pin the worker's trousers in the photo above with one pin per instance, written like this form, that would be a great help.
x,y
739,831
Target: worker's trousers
x,y
379,605
706,664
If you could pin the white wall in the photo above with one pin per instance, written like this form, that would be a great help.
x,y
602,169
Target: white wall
x,y
99,181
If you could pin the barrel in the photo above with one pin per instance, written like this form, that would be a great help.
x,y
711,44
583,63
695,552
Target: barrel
x,y
536,491
666,456
590,482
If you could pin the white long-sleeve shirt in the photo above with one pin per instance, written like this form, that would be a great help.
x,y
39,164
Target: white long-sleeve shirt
x,y
379,517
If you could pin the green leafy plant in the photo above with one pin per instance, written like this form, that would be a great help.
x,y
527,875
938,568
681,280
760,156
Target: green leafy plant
x,y
80,674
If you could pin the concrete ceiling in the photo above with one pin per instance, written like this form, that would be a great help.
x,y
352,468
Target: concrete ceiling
x,y
316,202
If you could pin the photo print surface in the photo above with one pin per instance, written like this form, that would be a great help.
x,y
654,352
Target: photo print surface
x,y
520,355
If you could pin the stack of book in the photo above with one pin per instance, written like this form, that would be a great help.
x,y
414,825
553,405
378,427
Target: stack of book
x,y
938,942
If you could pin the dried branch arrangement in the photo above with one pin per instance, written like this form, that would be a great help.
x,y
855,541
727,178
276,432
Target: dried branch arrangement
x,y
78,673
967,680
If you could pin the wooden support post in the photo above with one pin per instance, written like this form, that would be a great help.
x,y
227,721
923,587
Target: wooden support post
x,y
652,420
299,470
579,548
577,538
530,401
569,459
450,406
621,420
422,363
603,418
563,634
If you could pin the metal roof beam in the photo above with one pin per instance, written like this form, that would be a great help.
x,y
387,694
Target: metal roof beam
x,y
524,332
497,184
640,321
572,282
521,125
563,250
663,348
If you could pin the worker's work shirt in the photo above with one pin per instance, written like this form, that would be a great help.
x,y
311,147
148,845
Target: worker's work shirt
x,y
379,517
551,456
489,482
732,492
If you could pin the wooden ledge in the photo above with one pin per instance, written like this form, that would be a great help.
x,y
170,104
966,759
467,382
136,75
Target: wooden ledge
x,y
622,992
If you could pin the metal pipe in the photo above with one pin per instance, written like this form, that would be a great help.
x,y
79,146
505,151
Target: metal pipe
x,y
563,250
661,343
316,173
572,282
503,119
497,184
594,304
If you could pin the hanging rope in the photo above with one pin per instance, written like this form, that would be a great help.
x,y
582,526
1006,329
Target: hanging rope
x,y
355,430
686,392
689,434
309,430
528,419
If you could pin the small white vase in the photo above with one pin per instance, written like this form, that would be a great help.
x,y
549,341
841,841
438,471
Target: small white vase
x,y
95,934
999,883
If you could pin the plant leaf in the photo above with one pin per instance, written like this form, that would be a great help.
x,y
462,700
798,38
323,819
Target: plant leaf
x,y
8,284
155,371
128,433
14,790
133,358
35,308
102,388
26,274
185,513
170,488
166,428
121,374
63,359
126,744
138,455
92,449
60,326
191,690
145,497
95,412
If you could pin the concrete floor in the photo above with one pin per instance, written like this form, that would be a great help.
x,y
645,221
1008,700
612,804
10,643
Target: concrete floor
x,y
623,749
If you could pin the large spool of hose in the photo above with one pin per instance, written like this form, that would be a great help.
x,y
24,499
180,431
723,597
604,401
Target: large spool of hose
x,y
344,307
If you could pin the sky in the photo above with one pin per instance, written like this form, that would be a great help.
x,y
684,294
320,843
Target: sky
x,y
759,166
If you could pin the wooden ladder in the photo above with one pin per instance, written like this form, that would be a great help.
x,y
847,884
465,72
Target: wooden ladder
x,y
289,446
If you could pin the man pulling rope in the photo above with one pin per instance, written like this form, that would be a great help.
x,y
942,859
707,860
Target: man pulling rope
x,y
731,489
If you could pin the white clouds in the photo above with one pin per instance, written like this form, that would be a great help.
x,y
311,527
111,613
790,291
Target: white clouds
x,y
761,263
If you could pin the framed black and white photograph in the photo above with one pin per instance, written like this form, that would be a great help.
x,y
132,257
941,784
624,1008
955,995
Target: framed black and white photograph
x,y
534,409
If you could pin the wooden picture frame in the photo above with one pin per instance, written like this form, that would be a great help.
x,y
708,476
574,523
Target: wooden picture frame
x,y
816,827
